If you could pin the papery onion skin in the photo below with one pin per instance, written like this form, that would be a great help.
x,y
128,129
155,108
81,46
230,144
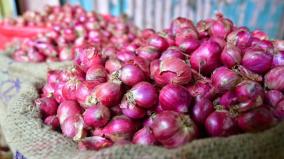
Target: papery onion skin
x,y
256,120
69,88
73,127
274,78
144,136
172,52
231,56
228,99
273,97
175,97
131,110
96,72
206,58
240,37
257,60
68,108
221,124
96,116
52,121
94,143
180,23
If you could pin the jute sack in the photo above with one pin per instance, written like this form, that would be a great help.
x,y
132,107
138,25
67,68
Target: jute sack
x,y
26,134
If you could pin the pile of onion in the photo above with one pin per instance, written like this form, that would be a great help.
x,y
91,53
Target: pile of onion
x,y
168,88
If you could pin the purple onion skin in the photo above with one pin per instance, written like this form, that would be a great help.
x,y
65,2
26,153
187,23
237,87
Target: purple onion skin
x,y
220,124
175,97
228,99
206,57
224,79
172,52
231,56
189,45
278,59
257,60
273,97
274,78
144,136
279,110
256,120
241,37
201,110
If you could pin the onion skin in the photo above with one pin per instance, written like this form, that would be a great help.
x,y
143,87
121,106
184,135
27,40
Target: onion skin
x,y
52,121
125,56
279,110
260,35
228,99
96,73
278,59
256,120
231,56
241,37
221,27
84,90
274,78
94,143
73,127
273,97
96,116
185,34
188,45
131,75
202,88
69,88
68,108
172,52
158,42
221,124
131,110
148,53
144,137
257,60
201,110
206,58
175,97
180,23
174,71
47,105
224,79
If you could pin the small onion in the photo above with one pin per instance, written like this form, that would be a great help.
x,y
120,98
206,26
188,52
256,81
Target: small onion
x,y
188,45
201,110
231,56
47,105
172,52
158,42
96,73
228,99
180,23
144,137
131,110
273,97
148,53
73,127
279,110
96,116
94,143
278,59
221,27
274,78
67,109
52,121
131,74
70,87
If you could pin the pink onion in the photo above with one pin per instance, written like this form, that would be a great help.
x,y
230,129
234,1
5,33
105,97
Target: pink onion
x,y
67,109
125,56
224,79
84,90
274,78
221,27
69,88
188,45
185,33
131,110
96,116
113,65
240,37
175,97
131,74
206,58
202,88
279,110
174,71
231,56
273,97
158,42
73,127
47,105
180,23
172,52
279,45
220,123
66,54
257,60
148,53
154,67
228,99
52,121
201,110
96,73
278,59
260,35
94,143
144,137
256,120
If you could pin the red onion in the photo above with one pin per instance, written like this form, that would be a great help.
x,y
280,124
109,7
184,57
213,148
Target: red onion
x,y
35,56
247,74
279,45
69,89
69,34
52,121
96,73
146,33
172,52
278,59
274,78
240,37
202,88
84,90
201,110
131,110
125,56
66,54
109,52
260,35
231,56
154,67
222,43
185,33
265,45
143,95
221,27
173,129
148,53
174,71
228,99
279,110
203,27
220,123
273,97
67,109
256,120
257,60
188,45
113,65
206,58
47,105
141,63
180,23
20,56
158,42
132,47
47,90
144,137
120,128
94,143
73,127
131,74
96,116
58,92
224,79
175,97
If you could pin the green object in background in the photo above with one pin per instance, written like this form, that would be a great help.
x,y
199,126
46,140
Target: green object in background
x,y
7,8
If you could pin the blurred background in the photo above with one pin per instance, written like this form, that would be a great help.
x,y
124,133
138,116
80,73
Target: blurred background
x,y
266,15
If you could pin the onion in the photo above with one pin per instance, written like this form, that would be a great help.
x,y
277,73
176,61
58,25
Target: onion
x,y
120,128
172,52
265,45
231,56
143,95
47,105
221,27
84,90
131,74
228,99
273,97
279,110
188,45
247,74
89,56
148,53
274,78
52,121
73,127
58,92
144,137
202,88
260,35
279,45
35,56
154,67
206,58
256,120
201,110
67,109
180,23
203,27
185,33
175,97
146,33
96,116
96,73
141,63
174,71
66,54
109,52
222,43
257,60
240,37
125,56
278,59
158,42
224,79
220,123
131,110
94,143
69,88
113,65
